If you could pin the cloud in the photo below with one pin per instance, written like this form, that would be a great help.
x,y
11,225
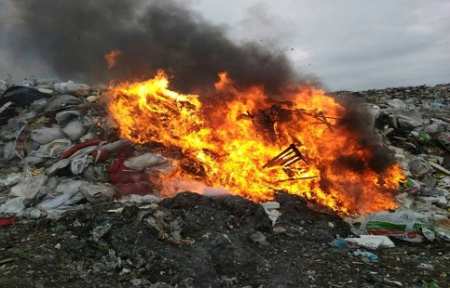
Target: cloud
x,y
351,44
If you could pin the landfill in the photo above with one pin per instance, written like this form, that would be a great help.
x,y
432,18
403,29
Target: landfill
x,y
414,123
71,186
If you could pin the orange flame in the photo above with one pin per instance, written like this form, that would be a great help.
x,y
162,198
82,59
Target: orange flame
x,y
111,58
235,140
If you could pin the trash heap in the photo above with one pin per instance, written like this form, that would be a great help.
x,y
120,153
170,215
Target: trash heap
x,y
59,152
414,123
61,158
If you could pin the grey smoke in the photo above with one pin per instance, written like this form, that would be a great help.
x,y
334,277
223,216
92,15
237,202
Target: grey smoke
x,y
73,36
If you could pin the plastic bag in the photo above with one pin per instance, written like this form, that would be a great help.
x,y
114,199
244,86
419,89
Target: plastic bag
x,y
405,225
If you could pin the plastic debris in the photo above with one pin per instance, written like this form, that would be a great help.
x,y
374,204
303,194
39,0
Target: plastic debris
x,y
64,117
67,193
405,225
71,87
17,96
7,221
371,241
259,238
59,102
53,149
95,192
442,229
340,243
366,256
144,161
46,135
74,130
29,187
272,211
10,179
139,199
100,231
69,152
80,163
13,206
128,181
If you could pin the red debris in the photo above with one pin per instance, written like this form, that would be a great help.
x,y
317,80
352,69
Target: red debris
x,y
101,154
7,221
69,152
128,181
139,188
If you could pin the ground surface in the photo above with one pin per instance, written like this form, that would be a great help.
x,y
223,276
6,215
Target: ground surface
x,y
195,241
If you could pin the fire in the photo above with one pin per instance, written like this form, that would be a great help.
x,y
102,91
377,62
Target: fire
x,y
233,142
111,58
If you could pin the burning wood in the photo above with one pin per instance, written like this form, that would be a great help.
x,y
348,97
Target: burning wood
x,y
286,158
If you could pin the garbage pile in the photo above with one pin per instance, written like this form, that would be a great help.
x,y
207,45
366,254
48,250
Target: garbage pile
x,y
57,148
61,158
414,123
59,152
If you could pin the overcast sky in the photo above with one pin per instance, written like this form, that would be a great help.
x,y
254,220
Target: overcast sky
x,y
349,44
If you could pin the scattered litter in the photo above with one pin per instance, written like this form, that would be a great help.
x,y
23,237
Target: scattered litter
x,y
405,225
100,231
6,260
371,241
272,211
366,256
259,238
425,266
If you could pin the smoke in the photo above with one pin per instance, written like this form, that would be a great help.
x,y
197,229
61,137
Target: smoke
x,y
358,120
74,36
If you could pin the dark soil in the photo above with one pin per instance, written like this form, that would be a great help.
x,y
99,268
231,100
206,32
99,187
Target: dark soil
x,y
196,241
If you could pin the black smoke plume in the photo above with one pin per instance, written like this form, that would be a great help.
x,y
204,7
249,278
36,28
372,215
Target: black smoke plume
x,y
358,120
74,36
